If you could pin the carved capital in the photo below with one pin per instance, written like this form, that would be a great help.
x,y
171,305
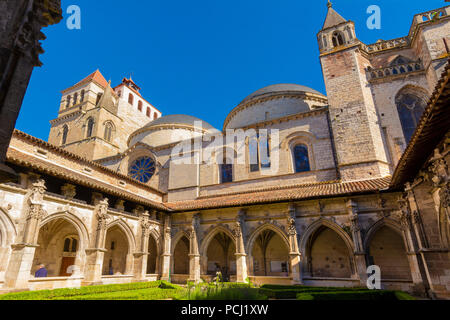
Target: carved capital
x,y
37,191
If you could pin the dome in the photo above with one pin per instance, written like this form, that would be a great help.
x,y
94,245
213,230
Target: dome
x,y
180,119
274,102
170,129
277,89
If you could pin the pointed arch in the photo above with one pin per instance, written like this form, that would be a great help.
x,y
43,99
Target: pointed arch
x,y
8,230
312,228
121,224
266,226
75,221
387,247
210,236
386,222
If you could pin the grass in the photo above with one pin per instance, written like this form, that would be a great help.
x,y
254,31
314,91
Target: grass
x,y
160,290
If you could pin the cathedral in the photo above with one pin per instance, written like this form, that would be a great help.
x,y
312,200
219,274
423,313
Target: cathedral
x,y
311,188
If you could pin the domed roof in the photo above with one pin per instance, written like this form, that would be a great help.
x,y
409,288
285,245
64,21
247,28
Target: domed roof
x,y
182,119
281,88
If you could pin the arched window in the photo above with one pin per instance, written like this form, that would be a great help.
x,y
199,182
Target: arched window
x,y
68,101
140,105
130,99
64,135
70,245
75,98
155,116
82,95
301,158
410,109
142,169
108,131
99,97
90,128
226,171
148,112
338,39
259,152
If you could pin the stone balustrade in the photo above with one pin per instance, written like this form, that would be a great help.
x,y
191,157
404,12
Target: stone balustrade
x,y
394,70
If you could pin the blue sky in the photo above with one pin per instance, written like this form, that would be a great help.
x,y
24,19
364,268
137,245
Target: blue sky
x,y
198,57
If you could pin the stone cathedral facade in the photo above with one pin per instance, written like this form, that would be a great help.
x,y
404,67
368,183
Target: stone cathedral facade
x,y
361,179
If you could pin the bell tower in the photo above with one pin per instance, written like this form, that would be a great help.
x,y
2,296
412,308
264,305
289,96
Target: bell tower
x,y
354,121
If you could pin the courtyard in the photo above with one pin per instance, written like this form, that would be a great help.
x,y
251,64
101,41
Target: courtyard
x,y
161,290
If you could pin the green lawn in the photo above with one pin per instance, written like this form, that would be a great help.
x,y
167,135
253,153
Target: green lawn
x,y
160,290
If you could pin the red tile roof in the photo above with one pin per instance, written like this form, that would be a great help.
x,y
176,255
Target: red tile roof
x,y
283,194
96,77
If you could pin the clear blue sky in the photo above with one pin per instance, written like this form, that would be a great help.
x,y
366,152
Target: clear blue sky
x,y
198,57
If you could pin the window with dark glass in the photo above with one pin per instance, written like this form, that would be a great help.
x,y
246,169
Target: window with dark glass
x,y
226,171
64,136
68,101
82,95
301,158
338,39
90,128
410,109
130,99
75,98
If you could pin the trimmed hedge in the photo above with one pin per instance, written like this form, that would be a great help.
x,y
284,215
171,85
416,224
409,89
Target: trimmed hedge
x,y
86,291
377,295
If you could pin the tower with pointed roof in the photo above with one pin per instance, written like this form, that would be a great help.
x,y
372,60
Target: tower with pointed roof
x,y
95,120
354,121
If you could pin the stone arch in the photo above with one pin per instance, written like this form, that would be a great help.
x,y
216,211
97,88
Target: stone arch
x,y
7,235
120,223
53,230
227,266
77,223
259,266
386,246
180,255
153,259
210,236
266,226
118,258
8,230
317,233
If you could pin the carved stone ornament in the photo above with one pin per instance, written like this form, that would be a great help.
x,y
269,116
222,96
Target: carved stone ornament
x,y
292,229
37,191
354,223
36,212
102,214
39,14
445,196
237,231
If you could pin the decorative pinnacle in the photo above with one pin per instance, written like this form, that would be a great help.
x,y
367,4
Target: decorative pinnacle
x,y
329,4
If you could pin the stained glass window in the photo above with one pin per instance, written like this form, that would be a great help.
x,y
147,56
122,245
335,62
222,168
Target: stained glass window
x,y
301,158
142,169
226,171
410,109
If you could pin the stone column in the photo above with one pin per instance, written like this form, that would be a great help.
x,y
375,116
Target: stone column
x,y
20,264
141,254
20,34
294,252
194,255
241,255
95,254
405,219
359,253
166,256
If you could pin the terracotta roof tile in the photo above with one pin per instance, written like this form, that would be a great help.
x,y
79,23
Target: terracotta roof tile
x,y
281,194
23,159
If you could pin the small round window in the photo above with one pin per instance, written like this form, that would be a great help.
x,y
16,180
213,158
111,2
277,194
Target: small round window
x,y
142,169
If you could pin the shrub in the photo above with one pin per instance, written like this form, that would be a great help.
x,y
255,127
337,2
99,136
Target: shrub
x,y
378,295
